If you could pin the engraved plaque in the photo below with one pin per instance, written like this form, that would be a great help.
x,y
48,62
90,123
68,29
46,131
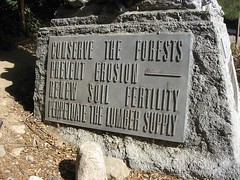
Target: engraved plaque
x,y
129,84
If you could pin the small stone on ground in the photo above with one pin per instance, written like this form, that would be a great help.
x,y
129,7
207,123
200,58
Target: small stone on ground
x,y
29,158
1,123
17,151
90,162
19,129
116,168
2,151
35,178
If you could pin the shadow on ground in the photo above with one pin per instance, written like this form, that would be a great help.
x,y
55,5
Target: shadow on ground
x,y
21,75
67,169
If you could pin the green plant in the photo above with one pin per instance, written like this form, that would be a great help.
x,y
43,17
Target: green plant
x,y
32,22
232,12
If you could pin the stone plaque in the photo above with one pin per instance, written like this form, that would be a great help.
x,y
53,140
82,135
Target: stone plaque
x,y
129,84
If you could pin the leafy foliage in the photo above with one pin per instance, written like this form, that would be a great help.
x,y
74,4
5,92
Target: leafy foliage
x,y
36,13
44,9
9,4
231,8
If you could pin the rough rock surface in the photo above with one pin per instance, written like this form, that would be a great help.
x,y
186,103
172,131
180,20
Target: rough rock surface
x,y
87,7
116,168
211,147
90,162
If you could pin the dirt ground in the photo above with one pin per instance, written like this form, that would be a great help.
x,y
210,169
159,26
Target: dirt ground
x,y
29,147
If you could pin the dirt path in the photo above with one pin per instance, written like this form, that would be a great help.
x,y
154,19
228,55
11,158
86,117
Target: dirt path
x,y
27,146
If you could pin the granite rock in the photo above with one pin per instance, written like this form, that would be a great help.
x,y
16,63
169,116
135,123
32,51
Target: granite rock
x,y
17,151
116,168
19,129
211,146
90,162
2,151
34,178
110,7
